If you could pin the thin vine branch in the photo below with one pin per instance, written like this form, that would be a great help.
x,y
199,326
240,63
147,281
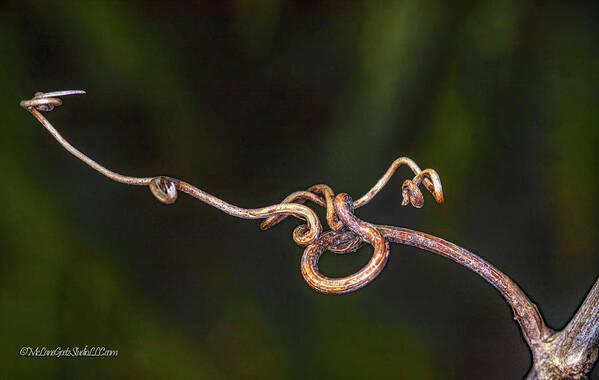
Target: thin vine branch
x,y
567,354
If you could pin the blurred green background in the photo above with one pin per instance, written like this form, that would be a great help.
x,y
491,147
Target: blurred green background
x,y
252,100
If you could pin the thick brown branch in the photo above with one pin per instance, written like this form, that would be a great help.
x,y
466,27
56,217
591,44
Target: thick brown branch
x,y
571,352
525,312
581,335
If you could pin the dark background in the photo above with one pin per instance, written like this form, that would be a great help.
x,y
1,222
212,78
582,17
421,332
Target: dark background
x,y
252,100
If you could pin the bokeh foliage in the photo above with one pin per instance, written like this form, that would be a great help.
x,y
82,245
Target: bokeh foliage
x,y
252,100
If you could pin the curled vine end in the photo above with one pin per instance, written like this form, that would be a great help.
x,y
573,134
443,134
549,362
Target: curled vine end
x,y
306,234
411,194
46,101
164,190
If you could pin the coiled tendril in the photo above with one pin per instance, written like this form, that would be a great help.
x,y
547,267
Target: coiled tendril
x,y
347,233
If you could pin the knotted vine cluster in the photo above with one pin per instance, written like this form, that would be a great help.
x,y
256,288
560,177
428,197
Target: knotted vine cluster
x,y
348,233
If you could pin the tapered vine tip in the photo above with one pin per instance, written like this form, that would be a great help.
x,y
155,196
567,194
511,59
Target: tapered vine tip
x,y
46,101
53,94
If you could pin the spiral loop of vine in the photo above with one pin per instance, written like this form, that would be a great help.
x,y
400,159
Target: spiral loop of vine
x,y
347,233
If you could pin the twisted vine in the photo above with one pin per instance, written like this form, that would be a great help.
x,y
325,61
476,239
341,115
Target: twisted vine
x,y
348,233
